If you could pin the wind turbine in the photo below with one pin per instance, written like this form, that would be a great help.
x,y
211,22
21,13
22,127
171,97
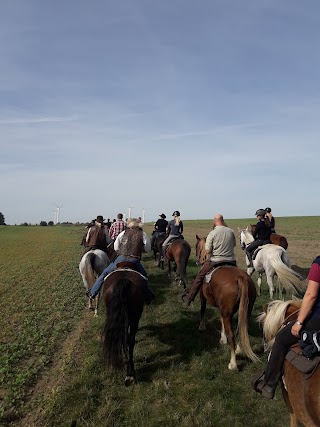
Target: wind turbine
x,y
54,216
58,212
143,214
129,211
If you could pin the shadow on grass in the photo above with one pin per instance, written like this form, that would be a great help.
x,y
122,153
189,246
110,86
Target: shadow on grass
x,y
300,270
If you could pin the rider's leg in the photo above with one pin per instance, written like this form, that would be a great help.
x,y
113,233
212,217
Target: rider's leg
x,y
93,292
205,269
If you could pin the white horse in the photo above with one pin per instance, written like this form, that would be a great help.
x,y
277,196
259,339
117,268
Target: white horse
x,y
91,266
273,260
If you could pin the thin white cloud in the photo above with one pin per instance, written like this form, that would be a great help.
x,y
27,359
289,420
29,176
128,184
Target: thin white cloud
x,y
35,120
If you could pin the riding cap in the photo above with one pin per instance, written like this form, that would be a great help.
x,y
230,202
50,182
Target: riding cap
x,y
260,212
176,213
268,210
162,216
100,219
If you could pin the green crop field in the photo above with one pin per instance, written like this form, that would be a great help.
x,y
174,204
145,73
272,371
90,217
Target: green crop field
x,y
51,367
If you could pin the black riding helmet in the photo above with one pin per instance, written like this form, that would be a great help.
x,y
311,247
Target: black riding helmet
x,y
260,212
268,210
176,213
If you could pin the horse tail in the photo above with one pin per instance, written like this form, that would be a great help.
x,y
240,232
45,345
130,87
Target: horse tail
x,y
115,343
243,284
86,269
182,264
289,279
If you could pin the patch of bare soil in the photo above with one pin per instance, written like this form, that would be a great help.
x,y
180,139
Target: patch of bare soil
x,y
54,379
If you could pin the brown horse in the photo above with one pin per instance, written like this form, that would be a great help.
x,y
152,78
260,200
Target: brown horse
x,y
157,250
229,289
276,239
179,252
124,299
300,392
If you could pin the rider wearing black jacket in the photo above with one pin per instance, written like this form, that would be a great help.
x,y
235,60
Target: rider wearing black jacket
x,y
261,235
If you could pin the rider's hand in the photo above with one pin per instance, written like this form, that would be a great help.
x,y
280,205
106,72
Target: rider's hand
x,y
296,329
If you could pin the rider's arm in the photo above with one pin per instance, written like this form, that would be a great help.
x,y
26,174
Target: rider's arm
x,y
181,227
118,241
309,297
209,244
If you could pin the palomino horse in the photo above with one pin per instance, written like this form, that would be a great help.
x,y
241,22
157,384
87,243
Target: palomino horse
x,y
91,266
157,250
276,239
230,289
273,260
124,299
300,392
179,252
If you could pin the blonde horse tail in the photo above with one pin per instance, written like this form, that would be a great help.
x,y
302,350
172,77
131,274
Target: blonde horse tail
x,y
290,280
243,319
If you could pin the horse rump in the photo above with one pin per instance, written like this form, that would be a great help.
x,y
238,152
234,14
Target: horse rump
x,y
115,343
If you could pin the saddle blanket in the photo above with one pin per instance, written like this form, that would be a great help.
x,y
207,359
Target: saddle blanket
x,y
302,363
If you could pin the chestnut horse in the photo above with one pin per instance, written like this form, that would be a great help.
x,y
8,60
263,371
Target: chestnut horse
x,y
300,392
230,289
276,239
179,252
124,300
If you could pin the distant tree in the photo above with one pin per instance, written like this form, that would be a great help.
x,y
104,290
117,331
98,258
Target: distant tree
x,y
2,221
25,224
50,223
43,223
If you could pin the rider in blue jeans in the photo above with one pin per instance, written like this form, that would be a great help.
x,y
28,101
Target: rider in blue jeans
x,y
130,244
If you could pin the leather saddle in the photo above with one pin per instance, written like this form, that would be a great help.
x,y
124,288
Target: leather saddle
x,y
301,362
127,264
208,276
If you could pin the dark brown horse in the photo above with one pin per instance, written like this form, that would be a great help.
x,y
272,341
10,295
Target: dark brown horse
x,y
157,250
179,252
230,290
276,239
300,392
124,299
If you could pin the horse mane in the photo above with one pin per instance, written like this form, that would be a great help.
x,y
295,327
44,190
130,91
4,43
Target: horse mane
x,y
274,317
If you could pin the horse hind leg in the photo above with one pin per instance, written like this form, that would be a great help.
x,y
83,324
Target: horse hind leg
x,y
259,281
271,286
227,324
131,374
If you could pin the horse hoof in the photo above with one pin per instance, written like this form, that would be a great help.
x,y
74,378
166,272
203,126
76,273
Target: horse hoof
x,y
232,367
129,381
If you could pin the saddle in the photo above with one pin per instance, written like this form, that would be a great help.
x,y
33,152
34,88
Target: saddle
x,y
301,362
173,240
208,276
127,265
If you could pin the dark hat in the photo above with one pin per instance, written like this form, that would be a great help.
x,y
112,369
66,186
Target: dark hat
x,y
268,210
162,216
260,212
176,213
100,219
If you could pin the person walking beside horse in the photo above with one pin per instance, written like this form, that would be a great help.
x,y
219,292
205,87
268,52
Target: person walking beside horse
x,y
219,248
130,244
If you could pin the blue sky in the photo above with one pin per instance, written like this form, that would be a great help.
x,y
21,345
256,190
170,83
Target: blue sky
x,y
201,106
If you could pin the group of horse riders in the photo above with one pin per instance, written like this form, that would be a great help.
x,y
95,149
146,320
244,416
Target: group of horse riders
x,y
132,241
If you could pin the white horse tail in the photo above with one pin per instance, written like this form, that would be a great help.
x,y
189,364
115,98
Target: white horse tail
x,y
273,318
243,319
86,269
289,279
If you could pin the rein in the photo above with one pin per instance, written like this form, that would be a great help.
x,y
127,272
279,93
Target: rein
x,y
288,317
